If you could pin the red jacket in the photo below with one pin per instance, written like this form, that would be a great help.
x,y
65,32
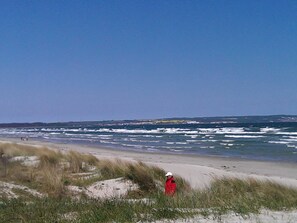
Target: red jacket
x,y
170,186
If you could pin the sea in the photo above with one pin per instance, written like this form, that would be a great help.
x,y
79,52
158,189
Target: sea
x,y
252,141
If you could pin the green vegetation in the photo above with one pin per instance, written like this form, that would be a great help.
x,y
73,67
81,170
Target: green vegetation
x,y
67,210
55,170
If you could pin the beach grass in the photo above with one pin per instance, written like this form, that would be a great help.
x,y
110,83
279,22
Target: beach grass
x,y
56,170
227,195
236,195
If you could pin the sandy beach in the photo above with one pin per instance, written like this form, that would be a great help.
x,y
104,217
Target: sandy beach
x,y
198,170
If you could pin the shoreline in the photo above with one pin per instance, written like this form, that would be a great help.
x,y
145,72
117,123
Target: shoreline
x,y
198,170
125,151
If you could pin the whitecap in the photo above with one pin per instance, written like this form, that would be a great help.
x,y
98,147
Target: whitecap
x,y
269,130
292,146
286,133
176,150
152,149
225,140
191,140
278,142
243,136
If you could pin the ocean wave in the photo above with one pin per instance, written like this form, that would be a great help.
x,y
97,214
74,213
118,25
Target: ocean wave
x,y
176,150
147,133
152,149
278,142
290,140
226,144
153,131
286,133
291,146
171,138
292,137
232,130
206,147
269,130
226,140
192,136
243,136
192,140
208,140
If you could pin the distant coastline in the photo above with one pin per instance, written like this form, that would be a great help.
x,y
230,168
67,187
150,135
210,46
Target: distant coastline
x,y
166,121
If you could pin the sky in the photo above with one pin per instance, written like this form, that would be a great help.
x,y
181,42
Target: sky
x,y
70,60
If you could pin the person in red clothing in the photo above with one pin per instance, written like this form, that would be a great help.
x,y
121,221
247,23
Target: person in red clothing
x,y
170,185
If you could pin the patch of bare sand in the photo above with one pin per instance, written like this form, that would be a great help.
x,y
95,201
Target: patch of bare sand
x,y
113,188
6,190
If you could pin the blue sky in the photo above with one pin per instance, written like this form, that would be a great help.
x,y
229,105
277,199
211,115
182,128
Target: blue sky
x,y
102,60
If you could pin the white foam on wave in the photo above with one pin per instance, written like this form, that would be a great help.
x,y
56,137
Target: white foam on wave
x,y
78,139
66,134
176,150
221,131
106,138
152,149
292,137
104,141
226,144
292,146
286,133
278,142
114,143
192,140
208,140
142,141
152,131
206,147
243,136
147,136
131,145
269,130
226,140
191,135
56,133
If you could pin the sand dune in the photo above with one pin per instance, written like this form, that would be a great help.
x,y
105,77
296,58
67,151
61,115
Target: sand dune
x,y
198,170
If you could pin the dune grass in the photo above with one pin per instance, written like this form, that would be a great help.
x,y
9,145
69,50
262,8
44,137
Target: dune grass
x,y
226,195
57,170
84,211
